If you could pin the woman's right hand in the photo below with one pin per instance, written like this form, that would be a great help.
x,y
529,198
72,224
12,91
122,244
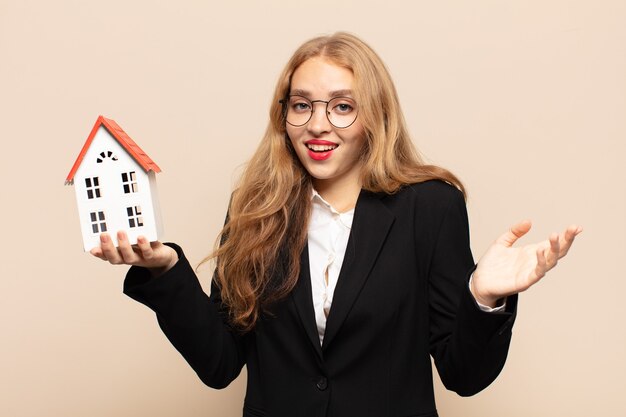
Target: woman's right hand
x,y
155,256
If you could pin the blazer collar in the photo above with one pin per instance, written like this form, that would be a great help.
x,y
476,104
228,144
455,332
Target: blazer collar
x,y
372,221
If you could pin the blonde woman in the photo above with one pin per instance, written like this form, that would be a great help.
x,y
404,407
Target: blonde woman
x,y
344,263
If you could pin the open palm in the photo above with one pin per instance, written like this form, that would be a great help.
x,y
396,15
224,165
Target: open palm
x,y
155,256
504,270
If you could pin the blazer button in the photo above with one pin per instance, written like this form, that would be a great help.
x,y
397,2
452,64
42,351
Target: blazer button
x,y
322,384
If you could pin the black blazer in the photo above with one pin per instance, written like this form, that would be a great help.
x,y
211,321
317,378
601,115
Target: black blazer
x,y
402,296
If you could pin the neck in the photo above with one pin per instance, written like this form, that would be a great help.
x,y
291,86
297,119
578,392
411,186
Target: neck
x,y
341,194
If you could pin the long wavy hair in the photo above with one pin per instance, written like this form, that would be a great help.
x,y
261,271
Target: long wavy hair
x,y
258,250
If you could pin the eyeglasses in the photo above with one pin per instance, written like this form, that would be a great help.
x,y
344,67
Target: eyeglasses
x,y
340,111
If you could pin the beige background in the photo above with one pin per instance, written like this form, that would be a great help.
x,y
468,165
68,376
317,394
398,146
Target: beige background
x,y
525,100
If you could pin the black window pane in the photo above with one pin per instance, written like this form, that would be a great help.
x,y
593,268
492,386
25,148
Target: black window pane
x,y
93,217
129,211
124,177
126,189
109,154
131,222
88,182
96,182
103,227
89,194
94,227
97,193
101,215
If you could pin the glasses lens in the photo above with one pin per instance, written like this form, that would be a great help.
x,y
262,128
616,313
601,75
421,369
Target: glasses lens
x,y
299,110
342,111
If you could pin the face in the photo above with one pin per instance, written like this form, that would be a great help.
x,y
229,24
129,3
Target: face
x,y
329,154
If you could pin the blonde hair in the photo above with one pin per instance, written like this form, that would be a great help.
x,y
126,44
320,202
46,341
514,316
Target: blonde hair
x,y
258,258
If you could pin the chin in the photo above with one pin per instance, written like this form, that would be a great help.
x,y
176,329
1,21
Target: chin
x,y
315,170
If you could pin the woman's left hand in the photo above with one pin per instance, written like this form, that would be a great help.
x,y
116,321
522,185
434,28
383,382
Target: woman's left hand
x,y
505,270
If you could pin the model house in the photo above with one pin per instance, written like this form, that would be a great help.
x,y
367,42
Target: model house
x,y
115,185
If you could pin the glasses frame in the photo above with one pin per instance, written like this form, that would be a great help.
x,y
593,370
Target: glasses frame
x,y
285,105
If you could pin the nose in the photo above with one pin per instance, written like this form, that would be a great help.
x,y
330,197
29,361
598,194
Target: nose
x,y
319,122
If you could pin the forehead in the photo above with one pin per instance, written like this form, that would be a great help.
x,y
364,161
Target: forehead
x,y
320,77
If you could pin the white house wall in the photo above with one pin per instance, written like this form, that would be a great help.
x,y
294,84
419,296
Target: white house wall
x,y
113,201
158,220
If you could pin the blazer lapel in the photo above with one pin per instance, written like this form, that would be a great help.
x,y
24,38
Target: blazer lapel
x,y
372,221
302,297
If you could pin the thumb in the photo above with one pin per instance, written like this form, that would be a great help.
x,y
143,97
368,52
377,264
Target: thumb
x,y
515,232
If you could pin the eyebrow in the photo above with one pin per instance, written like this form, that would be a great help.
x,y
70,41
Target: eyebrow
x,y
336,93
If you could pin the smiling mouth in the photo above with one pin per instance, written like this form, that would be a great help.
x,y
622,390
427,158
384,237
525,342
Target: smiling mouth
x,y
321,148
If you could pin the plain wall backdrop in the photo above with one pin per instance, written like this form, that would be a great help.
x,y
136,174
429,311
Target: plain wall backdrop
x,y
524,100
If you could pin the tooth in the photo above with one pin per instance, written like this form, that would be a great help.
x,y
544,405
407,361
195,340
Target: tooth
x,y
321,148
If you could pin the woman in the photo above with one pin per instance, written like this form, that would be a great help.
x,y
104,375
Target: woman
x,y
344,263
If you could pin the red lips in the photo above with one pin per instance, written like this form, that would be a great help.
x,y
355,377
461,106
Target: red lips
x,y
316,151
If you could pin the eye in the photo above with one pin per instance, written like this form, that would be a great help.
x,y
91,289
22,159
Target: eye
x,y
299,104
342,106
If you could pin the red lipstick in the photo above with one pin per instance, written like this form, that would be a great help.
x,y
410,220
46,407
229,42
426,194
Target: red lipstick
x,y
318,149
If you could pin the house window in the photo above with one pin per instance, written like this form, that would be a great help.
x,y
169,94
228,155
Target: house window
x,y
105,155
98,223
93,187
129,181
135,219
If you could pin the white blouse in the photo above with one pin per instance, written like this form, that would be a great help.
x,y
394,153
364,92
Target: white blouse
x,y
328,238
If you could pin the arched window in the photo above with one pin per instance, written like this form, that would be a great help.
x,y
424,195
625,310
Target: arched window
x,y
106,155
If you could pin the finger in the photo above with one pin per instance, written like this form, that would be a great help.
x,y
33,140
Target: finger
x,y
145,249
515,232
555,251
97,252
125,249
541,268
576,229
567,238
572,231
109,251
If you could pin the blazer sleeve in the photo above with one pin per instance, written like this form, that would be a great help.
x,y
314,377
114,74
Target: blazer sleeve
x,y
469,345
193,322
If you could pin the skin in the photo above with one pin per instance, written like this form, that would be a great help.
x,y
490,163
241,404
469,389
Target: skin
x,y
505,270
336,179
155,256
502,271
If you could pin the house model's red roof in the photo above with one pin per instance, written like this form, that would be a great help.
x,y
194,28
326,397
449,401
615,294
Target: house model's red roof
x,y
127,143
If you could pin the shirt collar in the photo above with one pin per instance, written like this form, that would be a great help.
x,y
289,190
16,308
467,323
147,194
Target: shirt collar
x,y
318,200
